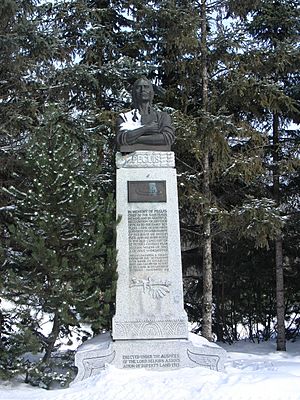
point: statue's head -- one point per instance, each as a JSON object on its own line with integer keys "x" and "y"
{"x": 142, "y": 91}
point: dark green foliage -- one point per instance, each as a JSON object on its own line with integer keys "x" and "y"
{"x": 62, "y": 227}
{"x": 251, "y": 80}
{"x": 16, "y": 339}
{"x": 66, "y": 70}
{"x": 61, "y": 260}
{"x": 57, "y": 373}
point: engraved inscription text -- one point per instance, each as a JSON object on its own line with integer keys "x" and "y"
{"x": 148, "y": 240}
{"x": 135, "y": 361}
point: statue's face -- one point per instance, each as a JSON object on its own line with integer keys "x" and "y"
{"x": 143, "y": 91}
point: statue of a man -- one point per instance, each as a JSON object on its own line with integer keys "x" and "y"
{"x": 143, "y": 128}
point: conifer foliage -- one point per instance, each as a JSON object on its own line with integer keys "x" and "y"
{"x": 270, "y": 70}
{"x": 62, "y": 235}
{"x": 228, "y": 73}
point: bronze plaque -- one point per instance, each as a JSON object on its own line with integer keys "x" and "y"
{"x": 147, "y": 192}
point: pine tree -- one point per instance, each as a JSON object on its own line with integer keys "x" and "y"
{"x": 62, "y": 263}
{"x": 202, "y": 132}
{"x": 16, "y": 112}
{"x": 78, "y": 58}
{"x": 25, "y": 53}
{"x": 269, "y": 70}
{"x": 216, "y": 142}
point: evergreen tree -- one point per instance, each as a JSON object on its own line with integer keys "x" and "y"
{"x": 25, "y": 54}
{"x": 62, "y": 259}
{"x": 268, "y": 74}
{"x": 218, "y": 147}
{"x": 77, "y": 58}
{"x": 188, "y": 66}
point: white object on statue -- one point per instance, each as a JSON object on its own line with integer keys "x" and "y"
{"x": 129, "y": 124}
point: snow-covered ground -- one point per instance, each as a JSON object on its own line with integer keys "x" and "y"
{"x": 253, "y": 372}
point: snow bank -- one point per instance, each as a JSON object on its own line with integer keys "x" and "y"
{"x": 253, "y": 372}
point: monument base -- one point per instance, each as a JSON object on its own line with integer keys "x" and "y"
{"x": 93, "y": 355}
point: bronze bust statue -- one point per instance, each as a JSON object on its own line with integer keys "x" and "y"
{"x": 144, "y": 128}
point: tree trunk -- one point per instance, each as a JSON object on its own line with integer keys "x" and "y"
{"x": 1, "y": 323}
{"x": 52, "y": 338}
{"x": 207, "y": 253}
{"x": 207, "y": 260}
{"x": 281, "y": 342}
{"x": 219, "y": 310}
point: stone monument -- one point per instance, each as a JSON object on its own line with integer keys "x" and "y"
{"x": 150, "y": 327}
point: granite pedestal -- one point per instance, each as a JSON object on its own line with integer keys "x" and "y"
{"x": 158, "y": 354}
{"x": 150, "y": 327}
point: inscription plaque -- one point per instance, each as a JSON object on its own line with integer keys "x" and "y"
{"x": 148, "y": 240}
{"x": 147, "y": 192}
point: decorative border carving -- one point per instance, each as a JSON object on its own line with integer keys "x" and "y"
{"x": 149, "y": 329}
{"x": 91, "y": 363}
{"x": 204, "y": 360}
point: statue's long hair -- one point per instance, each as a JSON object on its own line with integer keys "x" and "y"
{"x": 134, "y": 97}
